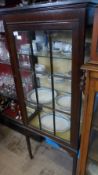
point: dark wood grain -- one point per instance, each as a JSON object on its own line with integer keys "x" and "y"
{"x": 56, "y": 16}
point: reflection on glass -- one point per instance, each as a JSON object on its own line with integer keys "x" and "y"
{"x": 27, "y": 79}
{"x": 7, "y": 85}
{"x": 45, "y": 64}
{"x": 62, "y": 44}
{"x": 4, "y": 54}
{"x": 62, "y": 68}
{"x": 92, "y": 163}
{"x": 88, "y": 44}
{"x": 40, "y": 43}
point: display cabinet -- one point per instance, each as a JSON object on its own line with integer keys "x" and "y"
{"x": 46, "y": 46}
{"x": 46, "y": 50}
{"x": 88, "y": 161}
{"x": 43, "y": 48}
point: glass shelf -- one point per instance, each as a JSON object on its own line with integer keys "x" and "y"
{"x": 60, "y": 104}
{"x": 47, "y": 107}
{"x": 58, "y": 93}
{"x": 55, "y": 56}
{"x": 56, "y": 76}
{"x": 63, "y": 133}
{"x": 5, "y": 62}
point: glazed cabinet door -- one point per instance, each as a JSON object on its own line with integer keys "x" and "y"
{"x": 46, "y": 61}
{"x": 45, "y": 66}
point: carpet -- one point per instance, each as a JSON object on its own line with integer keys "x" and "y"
{"x": 15, "y": 160}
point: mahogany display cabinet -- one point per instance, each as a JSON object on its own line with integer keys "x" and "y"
{"x": 46, "y": 50}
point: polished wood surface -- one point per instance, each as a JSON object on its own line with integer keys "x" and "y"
{"x": 55, "y": 16}
{"x": 57, "y": 13}
{"x": 90, "y": 90}
{"x": 94, "y": 47}
{"x": 51, "y": 18}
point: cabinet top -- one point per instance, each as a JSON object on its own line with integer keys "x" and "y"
{"x": 49, "y": 5}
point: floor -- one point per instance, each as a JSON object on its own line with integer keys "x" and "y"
{"x": 14, "y": 158}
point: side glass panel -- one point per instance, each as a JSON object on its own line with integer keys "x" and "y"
{"x": 9, "y": 105}
{"x": 92, "y": 161}
{"x": 45, "y": 65}
{"x": 8, "y": 101}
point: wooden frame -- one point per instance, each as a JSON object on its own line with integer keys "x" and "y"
{"x": 90, "y": 91}
{"x": 94, "y": 46}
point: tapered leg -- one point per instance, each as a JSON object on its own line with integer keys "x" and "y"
{"x": 29, "y": 146}
{"x": 74, "y": 165}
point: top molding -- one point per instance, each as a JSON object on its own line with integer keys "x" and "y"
{"x": 57, "y": 4}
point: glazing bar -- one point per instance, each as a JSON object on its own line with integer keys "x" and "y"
{"x": 52, "y": 83}
{"x": 35, "y": 79}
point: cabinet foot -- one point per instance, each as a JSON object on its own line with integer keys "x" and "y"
{"x": 74, "y": 165}
{"x": 29, "y": 147}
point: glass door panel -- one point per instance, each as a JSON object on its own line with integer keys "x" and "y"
{"x": 92, "y": 161}
{"x": 45, "y": 65}
{"x": 9, "y": 105}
